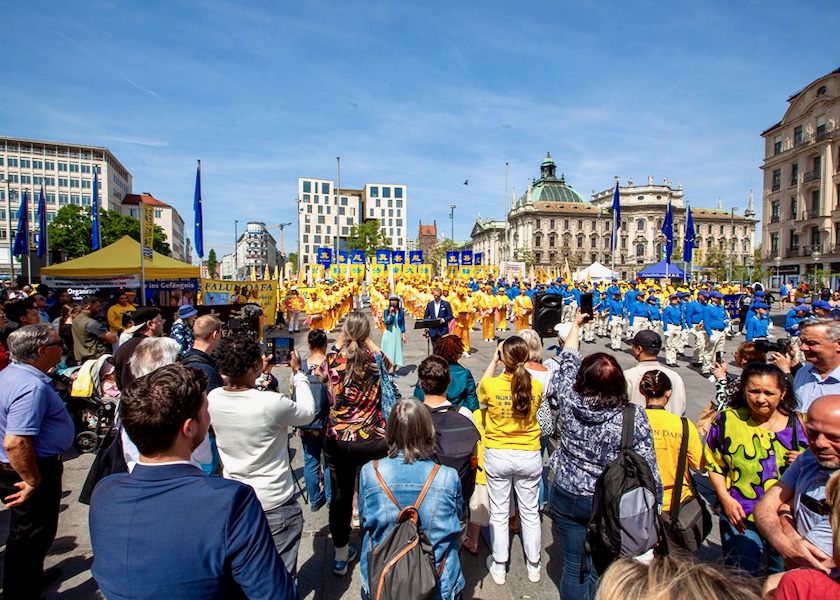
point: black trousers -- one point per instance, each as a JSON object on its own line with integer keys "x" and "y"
{"x": 344, "y": 460}
{"x": 32, "y": 530}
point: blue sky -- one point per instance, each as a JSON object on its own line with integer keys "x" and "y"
{"x": 423, "y": 93}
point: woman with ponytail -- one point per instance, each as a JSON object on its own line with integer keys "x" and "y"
{"x": 512, "y": 458}
{"x": 356, "y": 427}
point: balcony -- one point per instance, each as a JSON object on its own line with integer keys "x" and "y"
{"x": 776, "y": 186}
{"x": 811, "y": 176}
{"x": 792, "y": 252}
{"x": 775, "y": 219}
{"x": 811, "y": 214}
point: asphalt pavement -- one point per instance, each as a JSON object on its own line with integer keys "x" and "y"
{"x": 72, "y": 551}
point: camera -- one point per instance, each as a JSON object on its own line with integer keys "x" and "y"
{"x": 782, "y": 345}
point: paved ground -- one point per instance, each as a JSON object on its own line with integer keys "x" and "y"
{"x": 72, "y": 552}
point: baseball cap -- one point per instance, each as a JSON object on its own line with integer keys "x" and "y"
{"x": 703, "y": 293}
{"x": 757, "y": 305}
{"x": 563, "y": 330}
{"x": 647, "y": 339}
{"x": 141, "y": 316}
{"x": 715, "y": 294}
{"x": 802, "y": 308}
{"x": 822, "y": 304}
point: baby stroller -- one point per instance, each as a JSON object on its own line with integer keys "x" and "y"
{"x": 92, "y": 401}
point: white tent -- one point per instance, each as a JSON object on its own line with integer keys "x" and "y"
{"x": 595, "y": 272}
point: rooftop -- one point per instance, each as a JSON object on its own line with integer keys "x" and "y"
{"x": 144, "y": 198}
{"x": 548, "y": 188}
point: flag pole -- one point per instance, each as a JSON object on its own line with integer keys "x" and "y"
{"x": 142, "y": 259}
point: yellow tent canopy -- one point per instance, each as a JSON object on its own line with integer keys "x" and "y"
{"x": 122, "y": 258}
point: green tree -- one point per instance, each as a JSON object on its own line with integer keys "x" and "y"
{"x": 716, "y": 263}
{"x": 293, "y": 261}
{"x": 368, "y": 237}
{"x": 525, "y": 255}
{"x": 437, "y": 253}
{"x": 70, "y": 230}
{"x": 212, "y": 263}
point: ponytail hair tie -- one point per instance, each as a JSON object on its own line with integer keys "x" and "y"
{"x": 521, "y": 364}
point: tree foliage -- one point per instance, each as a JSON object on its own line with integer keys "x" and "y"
{"x": 212, "y": 264}
{"x": 368, "y": 237}
{"x": 70, "y": 230}
{"x": 527, "y": 256}
{"x": 293, "y": 260}
{"x": 437, "y": 253}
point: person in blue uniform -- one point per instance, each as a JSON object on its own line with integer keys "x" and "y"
{"x": 672, "y": 328}
{"x": 715, "y": 320}
{"x": 757, "y": 323}
{"x": 694, "y": 317}
{"x": 615, "y": 306}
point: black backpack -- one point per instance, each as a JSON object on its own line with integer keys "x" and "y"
{"x": 403, "y": 564}
{"x": 625, "y": 513}
{"x": 455, "y": 441}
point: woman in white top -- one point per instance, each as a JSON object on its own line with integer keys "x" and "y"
{"x": 252, "y": 436}
{"x": 539, "y": 372}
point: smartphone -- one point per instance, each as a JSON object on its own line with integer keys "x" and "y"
{"x": 281, "y": 350}
{"x": 719, "y": 357}
{"x": 586, "y": 305}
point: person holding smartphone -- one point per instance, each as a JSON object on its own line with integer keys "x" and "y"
{"x": 393, "y": 338}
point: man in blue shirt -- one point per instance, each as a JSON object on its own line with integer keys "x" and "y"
{"x": 757, "y": 322}
{"x": 168, "y": 530}
{"x": 36, "y": 430}
{"x": 820, "y": 344}
{"x": 616, "y": 309}
{"x": 693, "y": 318}
{"x": 672, "y": 327}
{"x": 638, "y": 315}
{"x": 714, "y": 323}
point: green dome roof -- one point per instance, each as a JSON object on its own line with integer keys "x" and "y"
{"x": 550, "y": 189}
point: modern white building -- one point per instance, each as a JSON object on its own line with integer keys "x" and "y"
{"x": 326, "y": 215}
{"x": 65, "y": 170}
{"x": 256, "y": 248}
{"x": 166, "y": 217}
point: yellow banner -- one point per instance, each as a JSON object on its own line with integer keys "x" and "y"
{"x": 466, "y": 272}
{"x": 378, "y": 271}
{"x": 338, "y": 271}
{"x": 217, "y": 291}
{"x": 357, "y": 272}
{"x": 410, "y": 270}
{"x": 147, "y": 224}
{"x": 424, "y": 271}
{"x": 317, "y": 272}
{"x": 397, "y": 270}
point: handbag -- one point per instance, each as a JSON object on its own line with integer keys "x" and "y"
{"x": 109, "y": 460}
{"x": 388, "y": 398}
{"x": 689, "y": 523}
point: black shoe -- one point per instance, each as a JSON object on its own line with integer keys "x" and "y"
{"x": 694, "y": 364}
{"x": 50, "y": 575}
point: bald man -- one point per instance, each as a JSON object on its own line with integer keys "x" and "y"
{"x": 793, "y": 515}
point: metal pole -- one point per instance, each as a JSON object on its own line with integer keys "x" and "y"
{"x": 235, "y": 252}
{"x": 9, "y": 239}
{"x": 732, "y": 239}
{"x": 506, "y": 246}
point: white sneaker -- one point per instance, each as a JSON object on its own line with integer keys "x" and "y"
{"x": 497, "y": 571}
{"x": 533, "y": 572}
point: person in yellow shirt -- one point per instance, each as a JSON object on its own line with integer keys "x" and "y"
{"x": 512, "y": 455}
{"x": 667, "y": 438}
{"x": 315, "y": 311}
{"x": 522, "y": 309}
{"x": 461, "y": 309}
{"x": 502, "y": 304}
{"x": 487, "y": 307}
{"x": 116, "y": 311}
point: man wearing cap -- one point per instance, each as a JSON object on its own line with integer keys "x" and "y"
{"x": 147, "y": 323}
{"x": 91, "y": 338}
{"x": 757, "y": 322}
{"x": 672, "y": 324}
{"x": 714, "y": 324}
{"x": 822, "y": 309}
{"x": 638, "y": 315}
{"x": 645, "y": 345}
{"x": 182, "y": 328}
{"x": 616, "y": 311}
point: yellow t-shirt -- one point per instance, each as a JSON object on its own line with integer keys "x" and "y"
{"x": 115, "y": 314}
{"x": 480, "y": 415}
{"x": 667, "y": 439}
{"x": 505, "y": 429}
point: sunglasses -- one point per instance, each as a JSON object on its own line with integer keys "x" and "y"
{"x": 58, "y": 343}
{"x": 819, "y": 507}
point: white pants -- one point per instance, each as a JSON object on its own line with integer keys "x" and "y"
{"x": 699, "y": 343}
{"x": 714, "y": 344}
{"x": 589, "y": 331}
{"x": 616, "y": 327}
{"x": 294, "y": 320}
{"x": 672, "y": 343}
{"x": 521, "y": 470}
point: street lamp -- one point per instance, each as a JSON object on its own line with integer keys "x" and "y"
{"x": 815, "y": 256}
{"x": 452, "y": 218}
{"x": 235, "y": 250}
{"x": 732, "y": 239}
{"x": 7, "y": 181}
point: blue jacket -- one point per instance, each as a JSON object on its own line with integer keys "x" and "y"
{"x": 461, "y": 390}
{"x": 399, "y": 317}
{"x": 654, "y": 314}
{"x": 714, "y": 317}
{"x": 440, "y": 513}
{"x": 629, "y": 300}
{"x": 792, "y": 320}
{"x": 756, "y": 326}
{"x": 616, "y": 307}
{"x": 694, "y": 312}
{"x": 445, "y": 314}
{"x": 173, "y": 532}
{"x": 671, "y": 316}
{"x": 637, "y": 309}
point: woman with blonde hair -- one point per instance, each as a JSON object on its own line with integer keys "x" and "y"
{"x": 512, "y": 456}
{"x": 356, "y": 426}
{"x": 669, "y": 578}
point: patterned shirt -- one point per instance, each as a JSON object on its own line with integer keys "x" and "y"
{"x": 182, "y": 334}
{"x": 357, "y": 412}
{"x": 590, "y": 436}
{"x": 750, "y": 457}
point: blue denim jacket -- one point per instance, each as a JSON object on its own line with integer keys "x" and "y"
{"x": 440, "y": 513}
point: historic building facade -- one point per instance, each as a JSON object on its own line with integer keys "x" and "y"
{"x": 801, "y": 226}
{"x": 553, "y": 223}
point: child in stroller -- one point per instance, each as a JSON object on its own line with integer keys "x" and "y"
{"x": 93, "y": 401}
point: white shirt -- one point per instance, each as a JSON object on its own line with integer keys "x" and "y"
{"x": 252, "y": 436}
{"x": 462, "y": 410}
{"x": 676, "y": 404}
{"x": 437, "y": 309}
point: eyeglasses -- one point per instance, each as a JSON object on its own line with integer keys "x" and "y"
{"x": 58, "y": 343}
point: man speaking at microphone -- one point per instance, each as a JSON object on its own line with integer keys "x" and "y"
{"x": 438, "y": 309}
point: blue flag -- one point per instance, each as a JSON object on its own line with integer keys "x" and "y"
{"x": 199, "y": 219}
{"x": 383, "y": 257}
{"x": 415, "y": 257}
{"x": 478, "y": 258}
{"x": 466, "y": 258}
{"x": 357, "y": 257}
{"x": 42, "y": 224}
{"x": 452, "y": 258}
{"x": 324, "y": 256}
{"x": 22, "y": 235}
{"x": 398, "y": 257}
{"x": 95, "y": 234}
{"x": 343, "y": 257}
{"x": 668, "y": 232}
{"x": 616, "y": 221}
{"x": 690, "y": 238}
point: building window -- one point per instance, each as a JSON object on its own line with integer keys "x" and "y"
{"x": 815, "y": 203}
{"x": 50, "y": 198}
{"x": 797, "y": 135}
{"x": 537, "y": 241}
{"x": 306, "y": 197}
{"x": 344, "y": 201}
{"x": 794, "y": 173}
{"x": 580, "y": 241}
{"x": 321, "y": 220}
{"x": 85, "y": 200}
{"x": 593, "y": 242}
{"x": 640, "y": 225}
{"x": 325, "y": 188}
{"x": 37, "y": 164}
{"x": 49, "y": 165}
{"x": 13, "y": 163}
{"x": 816, "y": 237}
{"x": 25, "y": 164}
{"x": 85, "y": 168}
{"x": 75, "y": 199}
{"x": 794, "y": 240}
{"x": 64, "y": 199}
{"x": 777, "y": 180}
{"x": 774, "y": 243}
{"x": 374, "y": 190}
{"x": 820, "y": 128}
{"x": 398, "y": 193}
{"x": 341, "y": 210}
{"x": 580, "y": 225}
{"x": 399, "y": 202}
{"x": 550, "y": 224}
{"x": 74, "y": 168}
{"x": 623, "y": 245}
{"x": 386, "y": 192}
{"x": 640, "y": 250}
{"x": 794, "y": 207}
{"x": 158, "y": 213}
{"x": 320, "y": 210}
{"x": 28, "y": 179}
{"x": 307, "y": 186}
{"x": 777, "y": 145}
{"x": 86, "y": 184}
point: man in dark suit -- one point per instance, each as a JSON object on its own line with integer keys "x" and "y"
{"x": 167, "y": 530}
{"x": 438, "y": 309}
